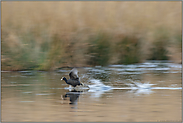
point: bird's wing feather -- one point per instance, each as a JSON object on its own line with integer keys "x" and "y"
{"x": 74, "y": 74}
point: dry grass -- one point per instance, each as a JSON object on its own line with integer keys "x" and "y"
{"x": 48, "y": 35}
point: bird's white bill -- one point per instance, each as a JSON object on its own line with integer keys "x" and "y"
{"x": 61, "y": 78}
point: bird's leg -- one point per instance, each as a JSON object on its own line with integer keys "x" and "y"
{"x": 82, "y": 83}
{"x": 87, "y": 86}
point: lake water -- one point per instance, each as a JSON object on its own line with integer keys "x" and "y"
{"x": 146, "y": 92}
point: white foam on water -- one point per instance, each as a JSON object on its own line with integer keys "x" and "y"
{"x": 63, "y": 71}
{"x": 147, "y": 67}
{"x": 143, "y": 91}
{"x": 175, "y": 65}
{"x": 26, "y": 85}
{"x": 98, "y": 88}
{"x": 143, "y": 85}
{"x": 98, "y": 70}
{"x": 135, "y": 69}
{"x": 134, "y": 88}
{"x": 125, "y": 88}
{"x": 170, "y": 88}
{"x": 146, "y": 86}
{"x": 56, "y": 88}
{"x": 45, "y": 94}
{"x": 69, "y": 88}
{"x": 116, "y": 65}
{"x": 98, "y": 85}
{"x": 130, "y": 73}
{"x": 117, "y": 69}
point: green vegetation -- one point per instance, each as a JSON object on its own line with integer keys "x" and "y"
{"x": 99, "y": 50}
{"x": 24, "y": 52}
{"x": 50, "y": 35}
{"x": 129, "y": 50}
{"x": 158, "y": 50}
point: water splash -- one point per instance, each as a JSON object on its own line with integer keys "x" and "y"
{"x": 141, "y": 91}
{"x": 43, "y": 94}
{"x": 98, "y": 88}
{"x": 143, "y": 85}
{"x": 146, "y": 86}
{"x": 138, "y": 88}
{"x": 98, "y": 85}
{"x": 170, "y": 88}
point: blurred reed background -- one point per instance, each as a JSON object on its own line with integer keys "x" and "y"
{"x": 49, "y": 35}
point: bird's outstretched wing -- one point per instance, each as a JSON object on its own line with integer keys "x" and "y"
{"x": 74, "y": 74}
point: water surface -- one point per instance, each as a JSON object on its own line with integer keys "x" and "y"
{"x": 146, "y": 92}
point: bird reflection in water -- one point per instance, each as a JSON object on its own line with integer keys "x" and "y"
{"x": 73, "y": 95}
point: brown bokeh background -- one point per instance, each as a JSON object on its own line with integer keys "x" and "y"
{"x": 49, "y": 35}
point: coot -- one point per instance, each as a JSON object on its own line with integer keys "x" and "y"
{"x": 74, "y": 79}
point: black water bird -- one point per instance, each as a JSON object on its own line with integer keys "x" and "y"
{"x": 74, "y": 79}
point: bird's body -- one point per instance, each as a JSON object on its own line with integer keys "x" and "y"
{"x": 74, "y": 79}
{"x": 72, "y": 82}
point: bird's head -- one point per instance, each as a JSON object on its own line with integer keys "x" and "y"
{"x": 63, "y": 78}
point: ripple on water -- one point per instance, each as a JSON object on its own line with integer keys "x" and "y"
{"x": 56, "y": 88}
{"x": 41, "y": 94}
{"x": 130, "y": 73}
{"x": 26, "y": 101}
{"x": 13, "y": 82}
{"x": 63, "y": 71}
{"x": 27, "y": 92}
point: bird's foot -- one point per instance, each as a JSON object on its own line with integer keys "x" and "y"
{"x": 84, "y": 85}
